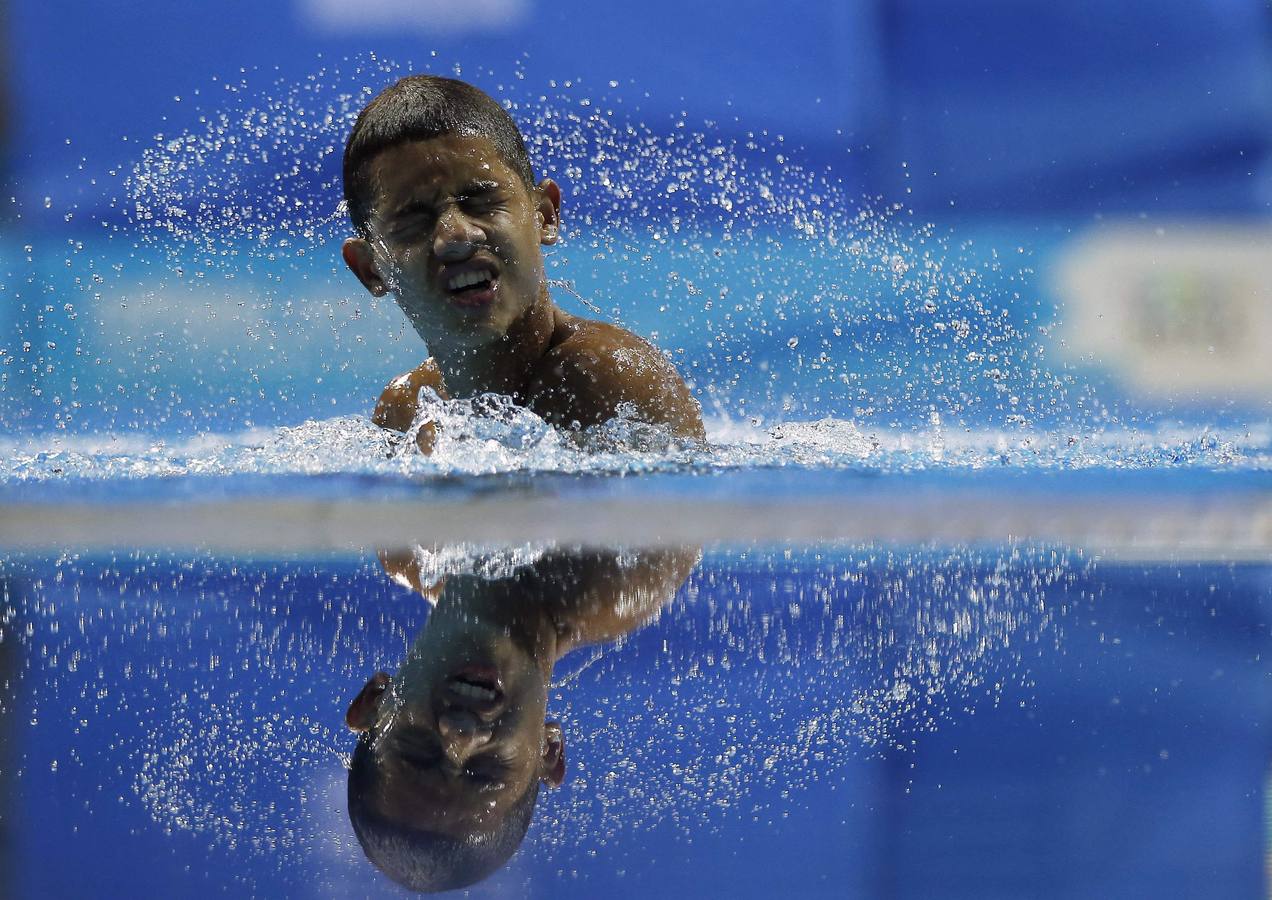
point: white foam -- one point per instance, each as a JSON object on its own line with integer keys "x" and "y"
{"x": 490, "y": 435}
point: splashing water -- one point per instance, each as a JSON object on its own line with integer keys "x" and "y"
{"x": 864, "y": 647}
{"x": 855, "y": 662}
{"x": 212, "y": 329}
{"x": 203, "y": 325}
{"x": 481, "y": 442}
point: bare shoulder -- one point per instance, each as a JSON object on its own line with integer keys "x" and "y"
{"x": 399, "y": 400}
{"x": 594, "y": 368}
{"x": 611, "y": 594}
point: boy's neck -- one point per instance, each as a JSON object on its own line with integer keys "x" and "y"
{"x": 503, "y": 366}
{"x": 474, "y": 610}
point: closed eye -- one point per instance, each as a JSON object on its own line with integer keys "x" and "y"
{"x": 412, "y": 219}
{"x": 487, "y": 768}
{"x": 478, "y": 205}
{"x": 419, "y": 758}
{"x": 417, "y": 749}
{"x": 480, "y": 195}
{"x": 485, "y": 785}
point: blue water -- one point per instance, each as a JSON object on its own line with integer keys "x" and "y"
{"x": 808, "y": 721}
{"x": 1038, "y": 670}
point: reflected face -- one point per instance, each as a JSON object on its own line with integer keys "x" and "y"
{"x": 456, "y": 743}
{"x": 455, "y": 234}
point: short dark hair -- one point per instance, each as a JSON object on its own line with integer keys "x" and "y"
{"x": 417, "y": 108}
{"x": 425, "y": 860}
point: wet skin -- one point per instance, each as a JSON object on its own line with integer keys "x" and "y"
{"x": 456, "y": 763}
{"x": 449, "y": 210}
{"x": 452, "y": 763}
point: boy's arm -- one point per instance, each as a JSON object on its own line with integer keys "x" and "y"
{"x": 586, "y": 378}
{"x": 399, "y": 402}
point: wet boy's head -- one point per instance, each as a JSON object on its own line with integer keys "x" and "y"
{"x": 448, "y": 217}
{"x": 421, "y": 107}
{"x": 425, "y": 859}
{"x": 444, "y": 779}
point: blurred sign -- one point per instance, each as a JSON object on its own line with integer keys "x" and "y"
{"x": 1166, "y": 310}
{"x": 432, "y": 16}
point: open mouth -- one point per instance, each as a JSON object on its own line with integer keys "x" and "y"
{"x": 476, "y": 687}
{"x": 475, "y": 287}
{"x": 475, "y": 691}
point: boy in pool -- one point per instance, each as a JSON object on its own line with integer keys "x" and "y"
{"x": 450, "y": 220}
{"x": 453, "y": 748}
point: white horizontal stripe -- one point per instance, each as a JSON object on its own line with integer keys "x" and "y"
{"x": 1220, "y": 525}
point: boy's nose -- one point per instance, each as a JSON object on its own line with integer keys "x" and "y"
{"x": 456, "y": 237}
{"x": 462, "y": 733}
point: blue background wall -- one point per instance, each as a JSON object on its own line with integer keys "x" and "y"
{"x": 997, "y": 105}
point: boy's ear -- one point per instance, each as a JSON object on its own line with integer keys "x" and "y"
{"x": 552, "y": 766}
{"x": 549, "y": 211}
{"x": 365, "y": 707}
{"x": 360, "y": 259}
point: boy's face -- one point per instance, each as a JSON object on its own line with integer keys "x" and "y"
{"x": 458, "y": 743}
{"x": 455, "y": 236}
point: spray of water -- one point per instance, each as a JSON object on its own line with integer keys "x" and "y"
{"x": 209, "y": 298}
{"x": 210, "y": 692}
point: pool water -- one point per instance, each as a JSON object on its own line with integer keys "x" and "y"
{"x": 820, "y": 719}
{"x": 968, "y": 611}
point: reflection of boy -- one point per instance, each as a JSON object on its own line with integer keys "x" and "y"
{"x": 453, "y": 748}
{"x": 450, "y": 221}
